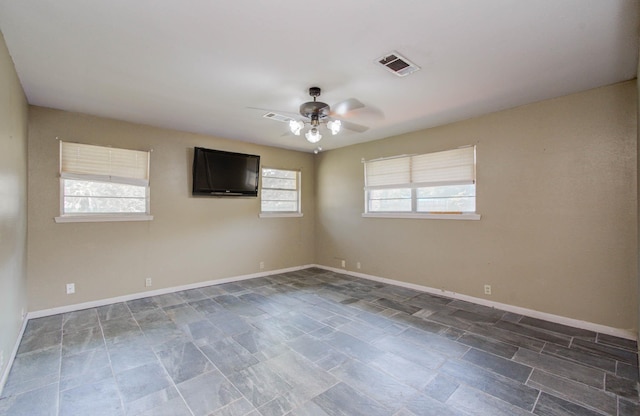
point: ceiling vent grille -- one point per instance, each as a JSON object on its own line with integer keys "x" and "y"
{"x": 398, "y": 64}
{"x": 277, "y": 117}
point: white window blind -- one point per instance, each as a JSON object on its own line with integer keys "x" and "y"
{"x": 433, "y": 183}
{"x": 104, "y": 164}
{"x": 103, "y": 182}
{"x": 450, "y": 167}
{"x": 389, "y": 172}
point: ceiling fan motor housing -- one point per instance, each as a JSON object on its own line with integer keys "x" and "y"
{"x": 315, "y": 109}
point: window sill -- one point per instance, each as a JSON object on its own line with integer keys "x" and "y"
{"x": 471, "y": 217}
{"x": 102, "y": 218}
{"x": 280, "y": 215}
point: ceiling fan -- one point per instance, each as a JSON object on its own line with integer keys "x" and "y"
{"x": 316, "y": 113}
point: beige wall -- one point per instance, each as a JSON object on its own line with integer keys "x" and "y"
{"x": 556, "y": 190}
{"x": 190, "y": 239}
{"x": 13, "y": 204}
{"x": 556, "y": 186}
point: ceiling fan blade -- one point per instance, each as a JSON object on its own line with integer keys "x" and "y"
{"x": 354, "y": 126}
{"x": 370, "y": 113}
{"x": 343, "y": 107}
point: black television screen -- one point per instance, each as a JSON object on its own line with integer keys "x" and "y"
{"x": 220, "y": 173}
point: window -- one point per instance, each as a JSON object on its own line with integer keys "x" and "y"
{"x": 103, "y": 183}
{"x": 432, "y": 185}
{"x": 280, "y": 194}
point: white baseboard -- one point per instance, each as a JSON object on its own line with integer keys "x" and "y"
{"x": 622, "y": 333}
{"x": 164, "y": 291}
{"x": 12, "y": 356}
{"x": 140, "y": 295}
{"x": 576, "y": 323}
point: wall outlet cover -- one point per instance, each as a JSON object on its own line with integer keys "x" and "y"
{"x": 71, "y": 288}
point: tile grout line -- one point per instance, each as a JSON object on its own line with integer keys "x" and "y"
{"x": 224, "y": 376}
{"x": 175, "y": 386}
{"x": 158, "y": 358}
{"x": 562, "y": 396}
{"x": 217, "y": 368}
{"x": 530, "y": 373}
{"x": 113, "y": 373}
{"x": 537, "y": 398}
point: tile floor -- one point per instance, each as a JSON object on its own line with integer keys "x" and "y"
{"x": 315, "y": 343}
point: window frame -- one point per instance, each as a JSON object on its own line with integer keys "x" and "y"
{"x": 414, "y": 187}
{"x": 282, "y": 214}
{"x": 65, "y": 217}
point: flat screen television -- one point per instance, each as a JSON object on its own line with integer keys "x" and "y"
{"x": 220, "y": 173}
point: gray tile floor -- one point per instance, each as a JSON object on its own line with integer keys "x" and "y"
{"x": 315, "y": 343}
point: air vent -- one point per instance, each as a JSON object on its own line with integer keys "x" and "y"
{"x": 277, "y": 117}
{"x": 398, "y": 64}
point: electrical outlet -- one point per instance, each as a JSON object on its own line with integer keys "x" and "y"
{"x": 148, "y": 282}
{"x": 1, "y": 360}
{"x": 358, "y": 265}
{"x": 487, "y": 289}
{"x": 71, "y": 288}
{"x": 344, "y": 263}
{"x": 261, "y": 265}
{"x": 22, "y": 313}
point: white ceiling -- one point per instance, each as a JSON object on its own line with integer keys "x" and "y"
{"x": 210, "y": 66}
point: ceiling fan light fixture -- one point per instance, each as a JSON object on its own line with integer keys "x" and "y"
{"x": 334, "y": 126}
{"x": 313, "y": 135}
{"x": 296, "y": 127}
{"x": 316, "y": 115}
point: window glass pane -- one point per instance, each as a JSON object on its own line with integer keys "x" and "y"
{"x": 279, "y": 183}
{"x": 74, "y": 187}
{"x": 446, "y": 191}
{"x": 102, "y": 198}
{"x": 280, "y": 191}
{"x": 460, "y": 204}
{"x": 397, "y": 193}
{"x": 279, "y": 195}
{"x": 91, "y": 205}
{"x": 390, "y": 205}
{"x": 277, "y": 173}
{"x": 390, "y": 200}
{"x": 459, "y": 198}
{"x": 280, "y": 206}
